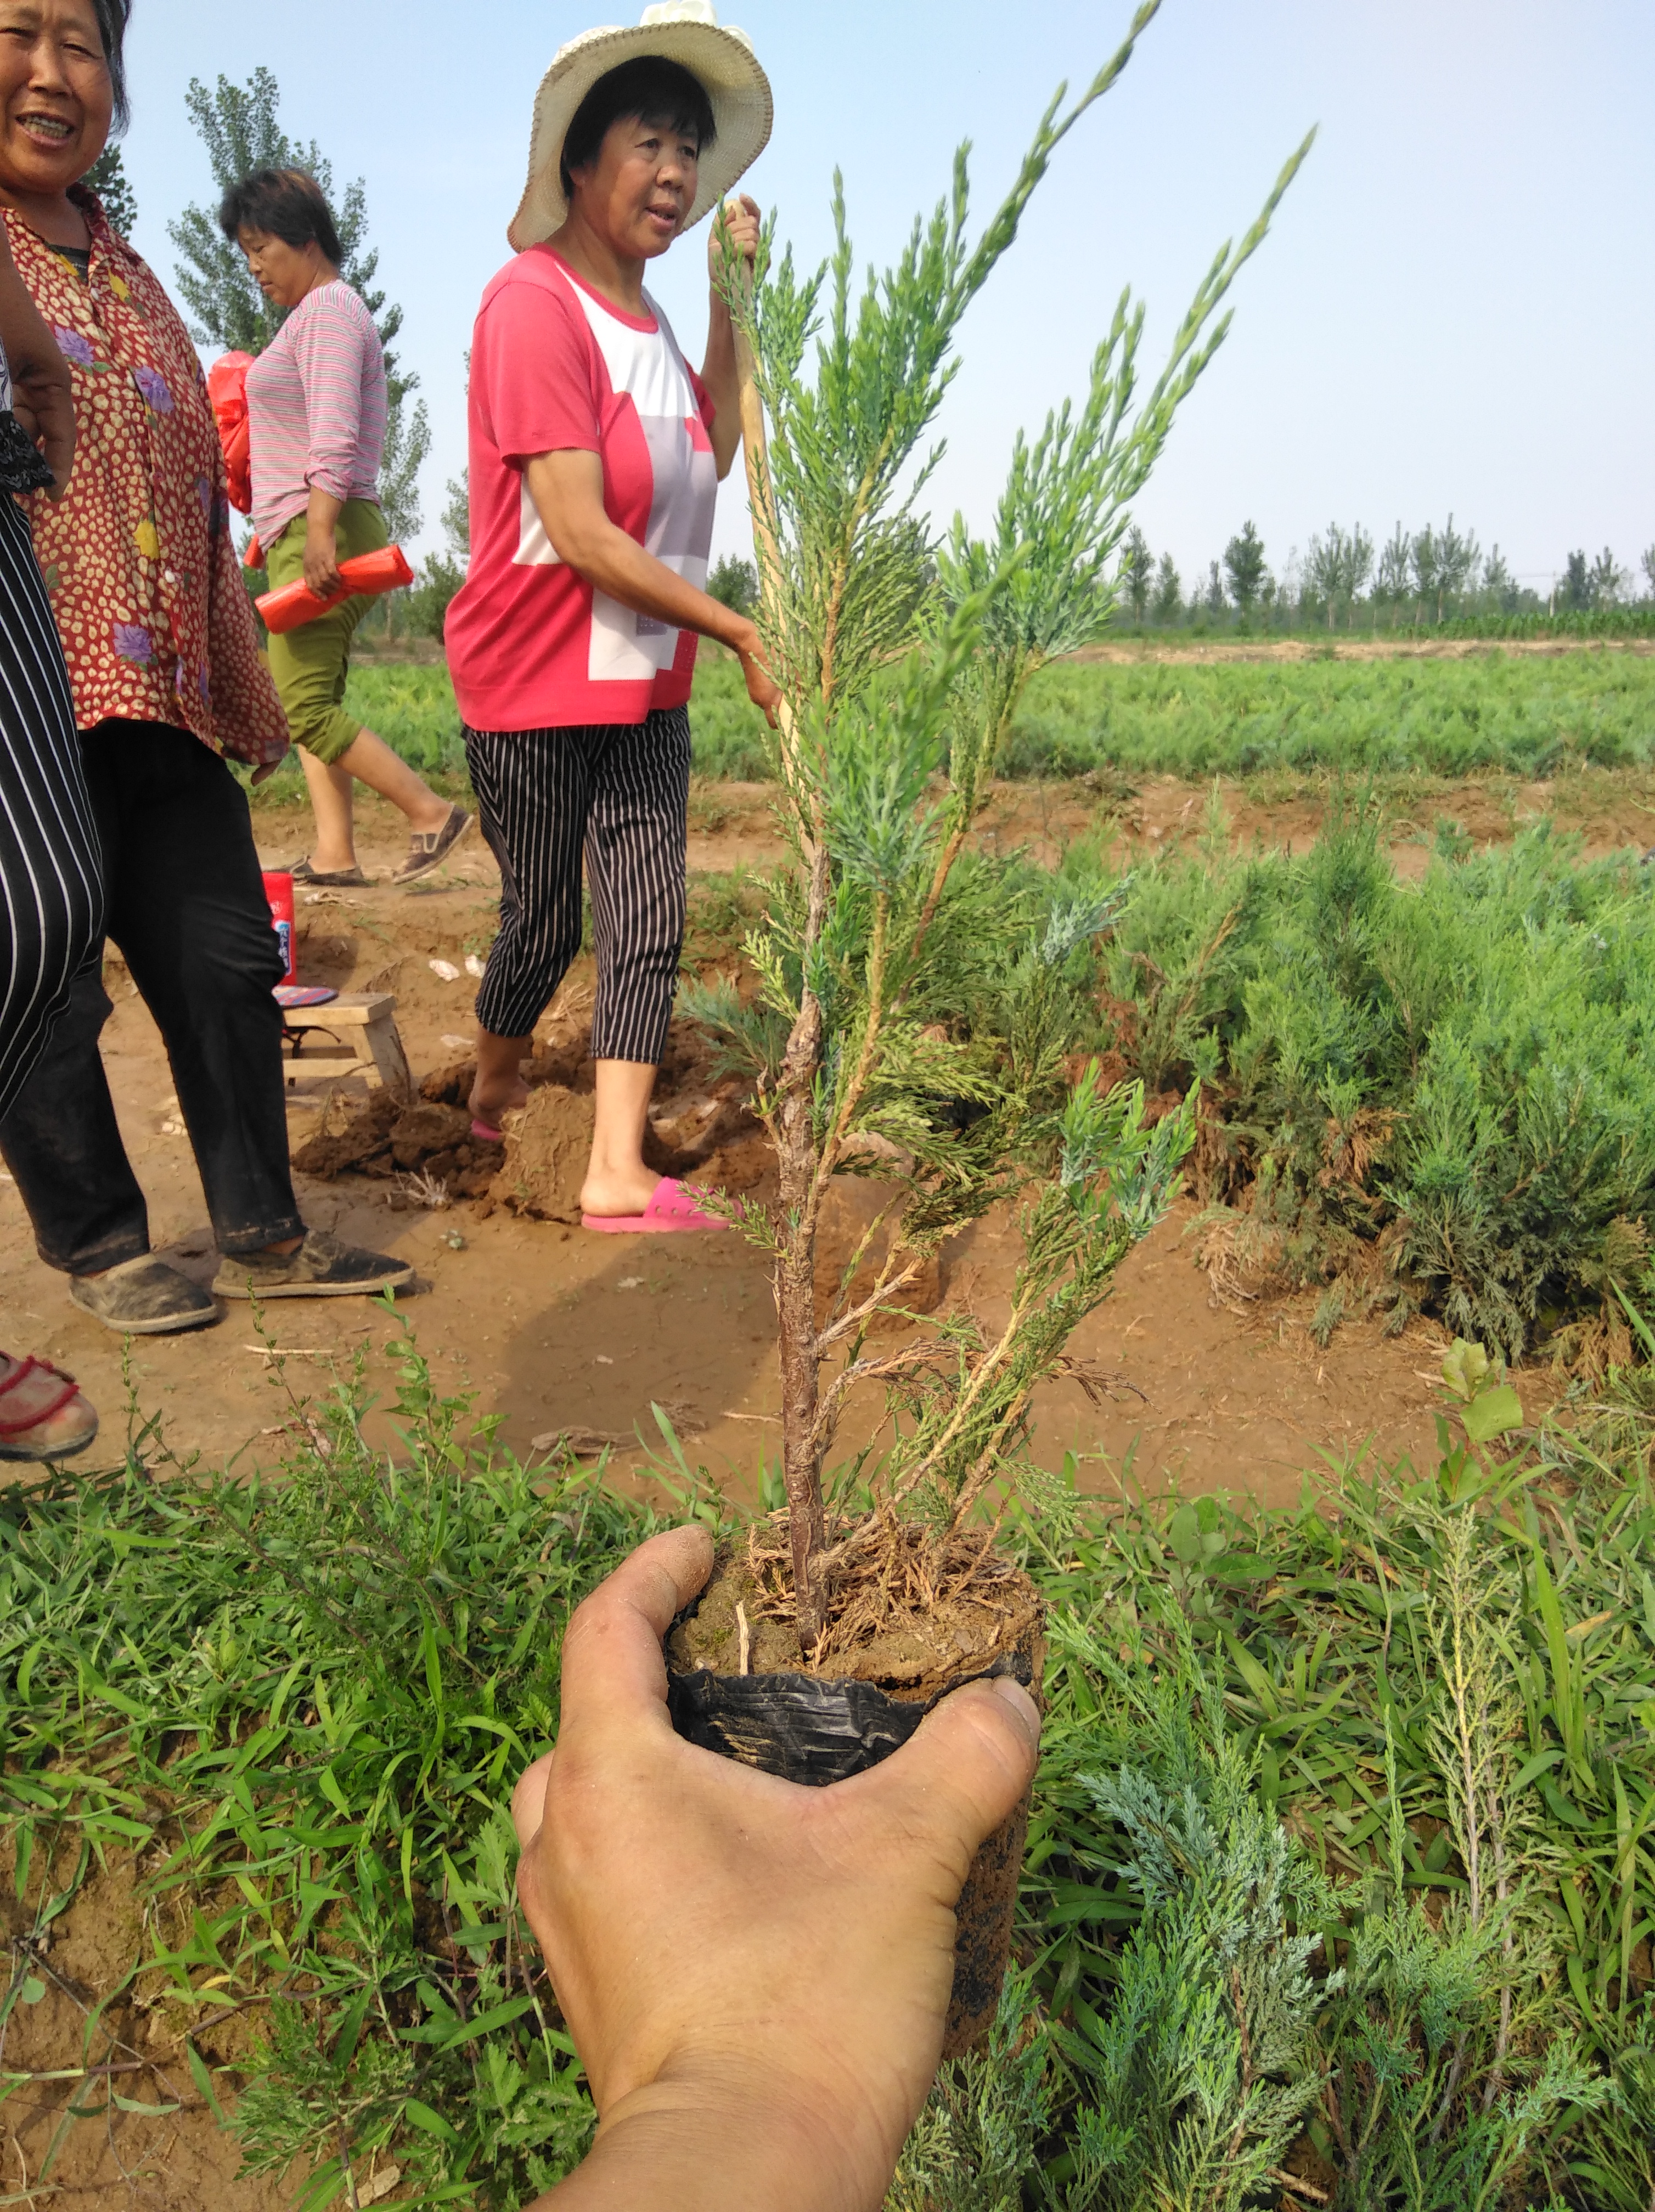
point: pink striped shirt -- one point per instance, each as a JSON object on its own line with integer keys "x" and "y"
{"x": 316, "y": 401}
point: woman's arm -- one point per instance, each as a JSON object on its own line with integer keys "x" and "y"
{"x": 568, "y": 491}
{"x": 328, "y": 348}
{"x": 42, "y": 396}
{"x": 739, "y": 219}
{"x": 322, "y": 544}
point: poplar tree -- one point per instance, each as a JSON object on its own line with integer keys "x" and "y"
{"x": 1243, "y": 559}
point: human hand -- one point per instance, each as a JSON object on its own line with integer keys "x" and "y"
{"x": 42, "y": 402}
{"x": 762, "y": 687}
{"x": 756, "y": 1975}
{"x": 322, "y": 562}
{"x": 738, "y": 223}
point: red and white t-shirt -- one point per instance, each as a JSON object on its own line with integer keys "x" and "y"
{"x": 531, "y": 644}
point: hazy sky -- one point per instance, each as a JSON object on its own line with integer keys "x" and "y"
{"x": 1454, "y": 311}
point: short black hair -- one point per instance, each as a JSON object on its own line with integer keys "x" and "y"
{"x": 285, "y": 203}
{"x": 648, "y": 88}
{"x": 112, "y": 16}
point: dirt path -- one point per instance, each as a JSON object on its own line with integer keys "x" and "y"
{"x": 562, "y": 1332}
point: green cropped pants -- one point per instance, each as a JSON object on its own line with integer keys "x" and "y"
{"x": 310, "y": 664}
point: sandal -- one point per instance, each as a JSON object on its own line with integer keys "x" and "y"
{"x": 429, "y": 849}
{"x": 15, "y": 1431}
{"x": 672, "y": 1210}
{"x": 335, "y": 879}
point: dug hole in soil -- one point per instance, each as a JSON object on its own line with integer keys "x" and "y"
{"x": 912, "y": 1625}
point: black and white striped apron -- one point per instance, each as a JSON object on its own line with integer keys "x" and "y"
{"x": 50, "y": 886}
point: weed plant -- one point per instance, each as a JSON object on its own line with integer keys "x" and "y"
{"x": 1342, "y": 1881}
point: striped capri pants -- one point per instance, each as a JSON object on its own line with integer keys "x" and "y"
{"x": 621, "y": 792}
{"x": 51, "y": 868}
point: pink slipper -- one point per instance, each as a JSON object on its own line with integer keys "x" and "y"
{"x": 671, "y": 1207}
{"x": 485, "y": 1135}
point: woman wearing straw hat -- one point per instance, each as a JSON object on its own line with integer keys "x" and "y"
{"x": 595, "y": 456}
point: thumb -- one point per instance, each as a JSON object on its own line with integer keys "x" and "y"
{"x": 967, "y": 1763}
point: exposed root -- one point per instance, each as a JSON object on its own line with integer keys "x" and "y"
{"x": 886, "y": 1569}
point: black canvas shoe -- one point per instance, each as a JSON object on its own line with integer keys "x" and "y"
{"x": 429, "y": 849}
{"x": 320, "y": 1267}
{"x": 143, "y": 1298}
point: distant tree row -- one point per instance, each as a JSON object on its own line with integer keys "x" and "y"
{"x": 1416, "y": 577}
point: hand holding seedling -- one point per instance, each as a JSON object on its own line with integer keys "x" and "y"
{"x": 756, "y": 1975}
{"x": 740, "y": 221}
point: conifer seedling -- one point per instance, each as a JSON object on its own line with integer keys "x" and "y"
{"x": 912, "y": 1017}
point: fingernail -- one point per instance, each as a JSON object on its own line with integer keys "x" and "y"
{"x": 1027, "y": 1712}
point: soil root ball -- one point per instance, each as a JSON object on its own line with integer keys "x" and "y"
{"x": 862, "y": 1701}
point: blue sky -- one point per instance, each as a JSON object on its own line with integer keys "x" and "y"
{"x": 1454, "y": 311}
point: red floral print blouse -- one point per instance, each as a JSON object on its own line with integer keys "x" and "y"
{"x": 139, "y": 560}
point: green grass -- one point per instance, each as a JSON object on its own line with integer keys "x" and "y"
{"x": 1527, "y": 714}
{"x": 1530, "y": 715}
{"x": 303, "y": 1697}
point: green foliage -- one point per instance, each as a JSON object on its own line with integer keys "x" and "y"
{"x": 107, "y": 178}
{"x": 897, "y": 660}
{"x": 734, "y": 583}
{"x": 1534, "y": 716}
{"x": 239, "y": 127}
{"x": 1343, "y": 1864}
{"x": 305, "y": 1695}
{"x": 1244, "y": 564}
{"x": 1529, "y": 716}
{"x": 1460, "y": 1065}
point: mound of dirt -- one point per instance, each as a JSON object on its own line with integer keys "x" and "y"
{"x": 852, "y": 1209}
{"x": 548, "y": 1143}
{"x": 700, "y": 1129}
{"x": 380, "y": 1137}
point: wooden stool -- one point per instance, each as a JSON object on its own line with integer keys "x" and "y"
{"x": 366, "y": 1020}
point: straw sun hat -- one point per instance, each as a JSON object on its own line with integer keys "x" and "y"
{"x": 684, "y": 30}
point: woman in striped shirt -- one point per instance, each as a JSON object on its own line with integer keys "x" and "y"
{"x": 316, "y": 414}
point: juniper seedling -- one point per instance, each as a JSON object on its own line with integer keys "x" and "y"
{"x": 901, "y": 663}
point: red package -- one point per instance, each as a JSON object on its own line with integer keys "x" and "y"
{"x": 295, "y": 604}
{"x": 278, "y": 890}
{"x": 226, "y": 388}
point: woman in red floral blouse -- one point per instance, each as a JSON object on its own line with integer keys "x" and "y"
{"x": 167, "y": 681}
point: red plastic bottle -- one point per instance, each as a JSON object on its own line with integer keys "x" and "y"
{"x": 278, "y": 889}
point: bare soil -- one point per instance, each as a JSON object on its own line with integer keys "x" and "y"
{"x": 174, "y": 2157}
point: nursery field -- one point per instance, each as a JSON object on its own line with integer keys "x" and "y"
{"x": 1200, "y": 712}
{"x": 261, "y": 1711}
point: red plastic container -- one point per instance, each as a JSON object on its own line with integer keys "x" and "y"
{"x": 295, "y": 604}
{"x": 278, "y": 889}
{"x": 226, "y": 388}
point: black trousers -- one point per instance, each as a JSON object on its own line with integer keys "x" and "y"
{"x": 621, "y": 792}
{"x": 51, "y": 888}
{"x": 186, "y": 906}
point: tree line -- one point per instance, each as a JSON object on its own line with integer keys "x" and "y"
{"x": 1416, "y": 578}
